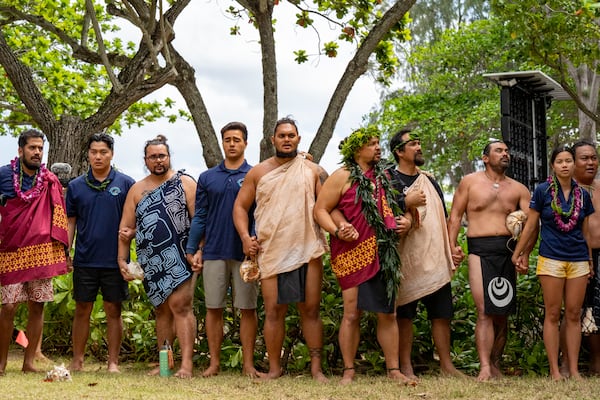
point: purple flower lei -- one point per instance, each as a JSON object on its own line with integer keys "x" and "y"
{"x": 36, "y": 190}
{"x": 574, "y": 210}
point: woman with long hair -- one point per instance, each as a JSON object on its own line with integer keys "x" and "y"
{"x": 564, "y": 266}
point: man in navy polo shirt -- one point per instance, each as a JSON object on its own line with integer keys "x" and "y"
{"x": 222, "y": 254}
{"x": 94, "y": 208}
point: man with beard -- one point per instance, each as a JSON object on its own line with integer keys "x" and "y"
{"x": 159, "y": 208}
{"x": 94, "y": 207}
{"x": 488, "y": 197}
{"x": 353, "y": 207}
{"x": 288, "y": 242}
{"x": 33, "y": 240}
{"x": 427, "y": 262}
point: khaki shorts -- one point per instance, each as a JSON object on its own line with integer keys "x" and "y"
{"x": 562, "y": 269}
{"x": 217, "y": 276}
{"x": 40, "y": 291}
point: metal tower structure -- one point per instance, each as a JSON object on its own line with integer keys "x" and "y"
{"x": 524, "y": 98}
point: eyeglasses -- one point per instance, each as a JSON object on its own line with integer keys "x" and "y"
{"x": 157, "y": 157}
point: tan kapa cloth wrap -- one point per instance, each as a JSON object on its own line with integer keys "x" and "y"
{"x": 285, "y": 226}
{"x": 425, "y": 252}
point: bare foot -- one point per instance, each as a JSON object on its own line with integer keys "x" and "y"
{"x": 409, "y": 373}
{"x": 113, "y": 368}
{"x": 496, "y": 373}
{"x": 485, "y": 374}
{"x": 557, "y": 377}
{"x": 577, "y": 377}
{"x": 269, "y": 375}
{"x": 154, "y": 371}
{"x": 452, "y": 372}
{"x": 320, "y": 377}
{"x": 250, "y": 372}
{"x": 395, "y": 374}
{"x": 28, "y": 368}
{"x": 347, "y": 376}
{"x": 183, "y": 374}
{"x": 211, "y": 371}
{"x": 412, "y": 377}
{"x": 40, "y": 357}
{"x": 76, "y": 366}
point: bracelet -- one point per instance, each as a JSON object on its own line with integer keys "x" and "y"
{"x": 336, "y": 233}
{"x": 200, "y": 248}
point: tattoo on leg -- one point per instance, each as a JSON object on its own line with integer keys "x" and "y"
{"x": 315, "y": 352}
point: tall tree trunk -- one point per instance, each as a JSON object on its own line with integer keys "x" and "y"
{"x": 186, "y": 84}
{"x": 262, "y": 10}
{"x": 67, "y": 144}
{"x": 587, "y": 83}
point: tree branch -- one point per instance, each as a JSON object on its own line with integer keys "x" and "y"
{"x": 80, "y": 52}
{"x": 13, "y": 107}
{"x": 355, "y": 68}
{"x": 91, "y": 13}
{"x": 22, "y": 80}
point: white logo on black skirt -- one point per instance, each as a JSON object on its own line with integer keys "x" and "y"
{"x": 500, "y": 292}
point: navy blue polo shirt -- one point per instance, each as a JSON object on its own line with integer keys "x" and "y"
{"x": 215, "y": 194}
{"x": 556, "y": 244}
{"x": 6, "y": 181}
{"x": 98, "y": 214}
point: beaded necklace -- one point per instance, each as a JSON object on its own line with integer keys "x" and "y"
{"x": 100, "y": 187}
{"x": 576, "y": 204}
{"x": 38, "y": 180}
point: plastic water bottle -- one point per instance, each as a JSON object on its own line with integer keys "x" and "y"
{"x": 163, "y": 359}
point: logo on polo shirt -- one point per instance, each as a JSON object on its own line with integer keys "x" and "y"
{"x": 240, "y": 181}
{"x": 114, "y": 190}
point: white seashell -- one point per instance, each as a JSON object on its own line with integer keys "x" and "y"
{"x": 58, "y": 374}
{"x": 134, "y": 269}
{"x": 515, "y": 221}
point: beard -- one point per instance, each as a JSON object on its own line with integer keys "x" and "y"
{"x": 503, "y": 165}
{"x": 281, "y": 154}
{"x": 160, "y": 170}
{"x": 373, "y": 161}
{"x": 419, "y": 160}
{"x": 31, "y": 165}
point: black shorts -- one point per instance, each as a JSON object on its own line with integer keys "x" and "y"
{"x": 438, "y": 305}
{"x": 291, "y": 286}
{"x": 87, "y": 282}
{"x": 372, "y": 296}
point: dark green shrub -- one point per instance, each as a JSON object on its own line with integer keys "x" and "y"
{"x": 139, "y": 339}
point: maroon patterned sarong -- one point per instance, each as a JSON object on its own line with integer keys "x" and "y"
{"x": 358, "y": 261}
{"x": 33, "y": 235}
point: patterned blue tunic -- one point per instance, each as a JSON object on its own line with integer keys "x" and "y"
{"x": 163, "y": 226}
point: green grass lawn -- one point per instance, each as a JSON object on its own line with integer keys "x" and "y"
{"x": 133, "y": 383}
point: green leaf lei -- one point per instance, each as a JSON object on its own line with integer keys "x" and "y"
{"x": 355, "y": 141}
{"x": 387, "y": 239}
{"x": 100, "y": 187}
